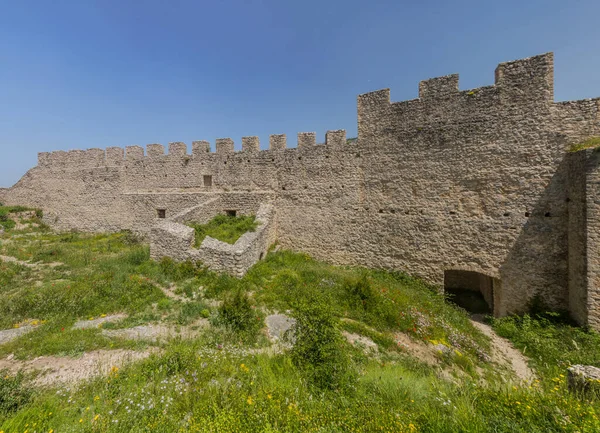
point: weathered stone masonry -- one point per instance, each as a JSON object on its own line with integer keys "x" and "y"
{"x": 474, "y": 180}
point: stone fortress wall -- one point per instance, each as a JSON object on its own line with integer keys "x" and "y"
{"x": 475, "y": 180}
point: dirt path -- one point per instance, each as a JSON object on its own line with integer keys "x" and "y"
{"x": 10, "y": 259}
{"x": 99, "y": 321}
{"x": 7, "y": 335}
{"x": 504, "y": 353}
{"x": 61, "y": 370}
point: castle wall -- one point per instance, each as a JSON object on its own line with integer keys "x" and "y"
{"x": 468, "y": 181}
{"x": 474, "y": 180}
{"x": 584, "y": 237}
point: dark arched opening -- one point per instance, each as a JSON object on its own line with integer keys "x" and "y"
{"x": 470, "y": 290}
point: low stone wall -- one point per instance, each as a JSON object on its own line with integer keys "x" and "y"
{"x": 176, "y": 240}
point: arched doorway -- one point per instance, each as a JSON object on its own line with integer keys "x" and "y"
{"x": 470, "y": 290}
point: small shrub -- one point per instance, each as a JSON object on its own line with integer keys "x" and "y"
{"x": 178, "y": 271}
{"x": 8, "y": 224}
{"x": 130, "y": 238}
{"x": 362, "y": 292}
{"x": 319, "y": 348}
{"x": 372, "y": 306}
{"x": 191, "y": 311}
{"x": 236, "y": 312}
{"x": 13, "y": 394}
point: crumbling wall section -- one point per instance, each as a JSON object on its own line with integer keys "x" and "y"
{"x": 175, "y": 240}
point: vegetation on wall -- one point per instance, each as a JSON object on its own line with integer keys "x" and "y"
{"x": 224, "y": 228}
{"x": 590, "y": 143}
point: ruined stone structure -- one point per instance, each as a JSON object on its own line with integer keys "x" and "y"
{"x": 479, "y": 181}
{"x": 172, "y": 238}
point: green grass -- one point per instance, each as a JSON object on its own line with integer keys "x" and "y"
{"x": 196, "y": 387}
{"x": 224, "y": 228}
{"x": 590, "y": 143}
{"x": 8, "y": 215}
{"x": 225, "y": 380}
{"x": 551, "y": 344}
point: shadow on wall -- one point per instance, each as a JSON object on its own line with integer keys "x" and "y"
{"x": 537, "y": 262}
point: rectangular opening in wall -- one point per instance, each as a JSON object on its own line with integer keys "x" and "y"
{"x": 470, "y": 290}
{"x": 161, "y": 213}
{"x": 231, "y": 213}
{"x": 207, "y": 180}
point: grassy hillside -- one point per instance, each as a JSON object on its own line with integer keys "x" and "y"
{"x": 231, "y": 377}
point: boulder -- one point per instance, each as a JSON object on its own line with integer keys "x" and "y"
{"x": 583, "y": 378}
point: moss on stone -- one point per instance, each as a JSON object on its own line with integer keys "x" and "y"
{"x": 590, "y": 143}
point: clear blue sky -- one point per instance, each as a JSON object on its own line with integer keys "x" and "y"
{"x": 82, "y": 74}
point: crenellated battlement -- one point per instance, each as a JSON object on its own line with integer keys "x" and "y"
{"x": 116, "y": 156}
{"x": 525, "y": 85}
{"x": 155, "y": 150}
{"x": 307, "y": 139}
{"x": 250, "y": 144}
{"x": 438, "y": 87}
{"x": 277, "y": 142}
